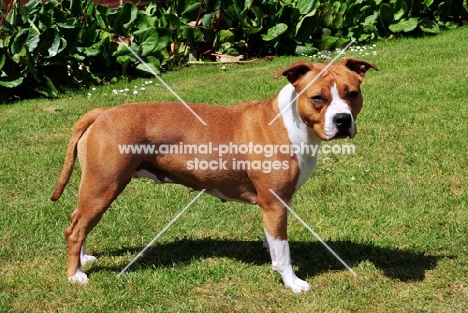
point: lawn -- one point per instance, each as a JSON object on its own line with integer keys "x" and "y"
{"x": 396, "y": 210}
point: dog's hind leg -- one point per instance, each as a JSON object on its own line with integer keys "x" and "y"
{"x": 94, "y": 198}
{"x": 85, "y": 258}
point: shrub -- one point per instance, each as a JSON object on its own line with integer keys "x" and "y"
{"x": 52, "y": 45}
{"x": 45, "y": 47}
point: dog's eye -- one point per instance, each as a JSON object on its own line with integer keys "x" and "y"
{"x": 352, "y": 95}
{"x": 318, "y": 99}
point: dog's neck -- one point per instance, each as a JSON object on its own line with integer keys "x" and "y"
{"x": 298, "y": 132}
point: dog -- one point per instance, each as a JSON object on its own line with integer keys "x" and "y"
{"x": 319, "y": 103}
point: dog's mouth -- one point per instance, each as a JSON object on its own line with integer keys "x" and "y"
{"x": 338, "y": 134}
{"x": 342, "y": 134}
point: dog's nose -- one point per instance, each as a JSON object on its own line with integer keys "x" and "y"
{"x": 342, "y": 121}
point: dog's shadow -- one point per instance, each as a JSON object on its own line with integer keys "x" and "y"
{"x": 311, "y": 258}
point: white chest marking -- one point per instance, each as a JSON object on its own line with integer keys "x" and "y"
{"x": 337, "y": 105}
{"x": 299, "y": 134}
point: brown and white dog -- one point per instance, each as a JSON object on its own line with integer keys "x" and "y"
{"x": 325, "y": 110}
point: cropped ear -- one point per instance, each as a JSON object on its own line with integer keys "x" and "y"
{"x": 295, "y": 71}
{"x": 358, "y": 66}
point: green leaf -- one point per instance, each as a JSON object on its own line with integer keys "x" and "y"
{"x": 305, "y": 6}
{"x": 328, "y": 42}
{"x": 306, "y": 27}
{"x": 307, "y": 49}
{"x": 338, "y": 22}
{"x": 275, "y": 32}
{"x": 327, "y": 19}
{"x": 371, "y": 19}
{"x": 63, "y": 45}
{"x": 429, "y": 26}
{"x": 101, "y": 14}
{"x": 450, "y": 25}
{"x": 343, "y": 9}
{"x": 191, "y": 12}
{"x": 33, "y": 26}
{"x": 93, "y": 50}
{"x": 443, "y": 9}
{"x": 47, "y": 88}
{"x": 206, "y": 20}
{"x": 252, "y": 30}
{"x": 224, "y": 35}
{"x": 386, "y": 14}
{"x": 2, "y": 58}
{"x": 326, "y": 32}
{"x": 49, "y": 42}
{"x": 192, "y": 34}
{"x": 164, "y": 40}
{"x": 399, "y": 9}
{"x": 428, "y": 3}
{"x": 75, "y": 7}
{"x": 336, "y": 6}
{"x": 25, "y": 38}
{"x": 10, "y": 81}
{"x": 353, "y": 11}
{"x": 405, "y": 25}
{"x": 129, "y": 14}
{"x": 153, "y": 63}
{"x": 148, "y": 39}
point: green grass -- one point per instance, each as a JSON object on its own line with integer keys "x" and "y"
{"x": 396, "y": 210}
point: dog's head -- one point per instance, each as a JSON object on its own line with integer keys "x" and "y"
{"x": 329, "y": 95}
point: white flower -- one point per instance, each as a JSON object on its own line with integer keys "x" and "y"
{"x": 94, "y": 88}
{"x": 89, "y": 94}
{"x": 115, "y": 92}
{"x": 135, "y": 92}
{"x": 142, "y": 88}
{"x": 126, "y": 89}
{"x": 374, "y": 52}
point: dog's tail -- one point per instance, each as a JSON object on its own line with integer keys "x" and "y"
{"x": 78, "y": 130}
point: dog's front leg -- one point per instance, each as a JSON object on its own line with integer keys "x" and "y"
{"x": 275, "y": 225}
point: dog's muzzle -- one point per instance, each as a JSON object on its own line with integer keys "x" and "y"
{"x": 344, "y": 124}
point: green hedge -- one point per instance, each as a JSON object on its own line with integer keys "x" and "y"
{"x": 47, "y": 47}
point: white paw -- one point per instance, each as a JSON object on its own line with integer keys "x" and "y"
{"x": 297, "y": 285}
{"x": 86, "y": 258}
{"x": 79, "y": 277}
